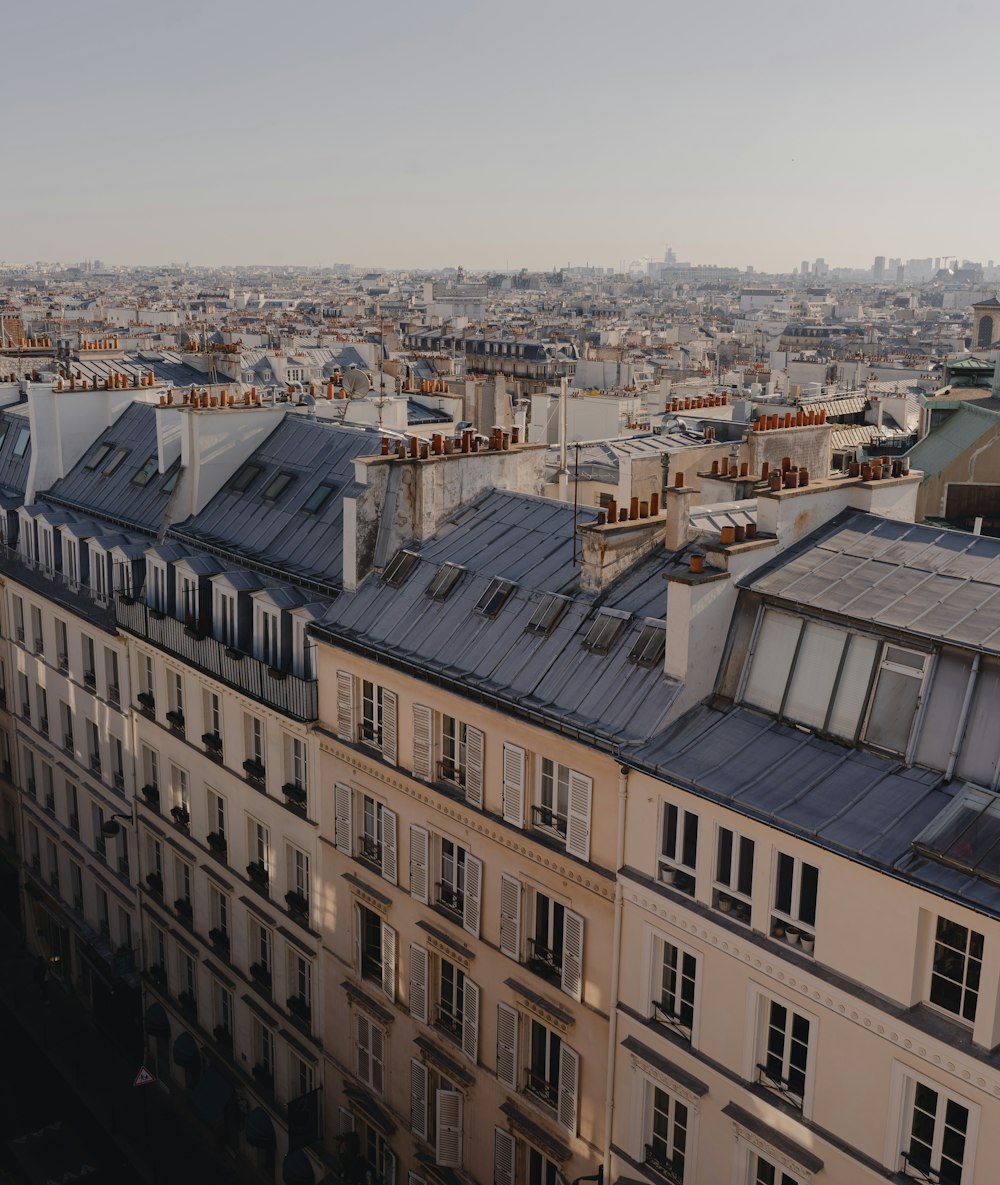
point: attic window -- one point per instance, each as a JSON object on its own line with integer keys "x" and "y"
{"x": 3, "y": 434}
{"x": 21, "y": 444}
{"x": 604, "y": 631}
{"x": 966, "y": 834}
{"x": 100, "y": 453}
{"x": 115, "y": 461}
{"x": 650, "y": 644}
{"x": 548, "y": 611}
{"x": 244, "y": 477}
{"x": 145, "y": 474}
{"x": 277, "y": 486}
{"x": 493, "y": 600}
{"x": 399, "y": 567}
{"x": 444, "y": 581}
{"x": 319, "y": 497}
{"x": 168, "y": 485}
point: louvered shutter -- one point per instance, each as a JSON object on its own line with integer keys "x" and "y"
{"x": 377, "y": 1051}
{"x": 569, "y": 1085}
{"x": 507, "y": 1045}
{"x": 422, "y": 718}
{"x": 388, "y": 1166}
{"x": 578, "y": 826}
{"x": 470, "y": 1021}
{"x": 345, "y": 707}
{"x": 513, "y": 784}
{"x": 572, "y": 954}
{"x": 510, "y": 917}
{"x": 389, "y": 961}
{"x": 471, "y": 901}
{"x": 345, "y": 1121}
{"x": 448, "y": 1151}
{"x": 358, "y": 926}
{"x": 343, "y": 802}
{"x": 364, "y": 1046}
{"x": 418, "y": 1098}
{"x": 418, "y": 863}
{"x": 389, "y": 726}
{"x": 389, "y": 845}
{"x": 413, "y": 1179}
{"x": 503, "y": 1157}
{"x": 474, "y": 752}
{"x": 418, "y": 983}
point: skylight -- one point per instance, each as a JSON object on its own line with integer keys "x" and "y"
{"x": 493, "y": 600}
{"x": 548, "y": 611}
{"x": 3, "y": 434}
{"x": 399, "y": 567}
{"x": 966, "y": 834}
{"x": 21, "y": 444}
{"x": 168, "y": 485}
{"x": 445, "y": 579}
{"x": 650, "y": 645}
{"x": 145, "y": 474}
{"x": 319, "y": 497}
{"x": 241, "y": 482}
{"x": 100, "y": 453}
{"x": 604, "y": 631}
{"x": 277, "y": 486}
{"x": 115, "y": 461}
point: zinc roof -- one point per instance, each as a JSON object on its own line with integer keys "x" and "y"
{"x": 959, "y": 431}
{"x": 13, "y": 469}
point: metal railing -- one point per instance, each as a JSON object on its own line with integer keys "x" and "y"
{"x": 55, "y": 586}
{"x": 287, "y": 694}
{"x": 656, "y": 1158}
{"x": 541, "y": 1088}
{"x": 680, "y": 1022}
{"x": 779, "y": 1085}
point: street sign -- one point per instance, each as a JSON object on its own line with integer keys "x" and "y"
{"x": 143, "y": 1078}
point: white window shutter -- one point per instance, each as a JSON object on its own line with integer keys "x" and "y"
{"x": 389, "y": 961}
{"x": 507, "y": 1045}
{"x": 418, "y": 983}
{"x": 475, "y": 744}
{"x": 448, "y": 1151}
{"x": 418, "y": 1098}
{"x": 471, "y": 901}
{"x": 572, "y": 954}
{"x": 578, "y": 826}
{"x": 345, "y": 707}
{"x": 389, "y": 845}
{"x": 345, "y": 1121}
{"x": 343, "y": 802}
{"x": 377, "y": 1051}
{"x": 364, "y": 1046}
{"x": 510, "y": 917}
{"x": 513, "y": 784}
{"x": 388, "y": 1166}
{"x": 389, "y": 726}
{"x": 503, "y": 1157}
{"x": 422, "y": 742}
{"x": 357, "y": 938}
{"x": 569, "y": 1086}
{"x": 470, "y": 1021}
{"x": 413, "y": 1178}
{"x": 418, "y": 863}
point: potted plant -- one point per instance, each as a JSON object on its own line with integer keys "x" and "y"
{"x": 233, "y": 653}
{"x": 219, "y": 937}
{"x": 184, "y": 907}
{"x": 294, "y": 793}
{"x": 181, "y": 815}
{"x": 298, "y": 1006}
{"x": 212, "y": 741}
{"x": 146, "y": 701}
{"x": 158, "y": 974}
{"x": 807, "y": 942}
{"x": 155, "y": 882}
{"x": 217, "y": 843}
{"x": 176, "y": 719}
{"x": 261, "y": 974}
{"x": 257, "y": 872}
{"x": 254, "y": 770}
{"x": 151, "y": 795}
{"x": 297, "y": 902}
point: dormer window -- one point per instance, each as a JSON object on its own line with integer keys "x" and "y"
{"x": 71, "y": 561}
{"x": 98, "y": 573}
{"x": 268, "y": 635}
{"x": 157, "y": 586}
{"x": 225, "y": 616}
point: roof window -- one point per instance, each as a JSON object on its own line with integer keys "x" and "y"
{"x": 245, "y": 477}
{"x": 445, "y": 579}
{"x": 319, "y": 497}
{"x": 547, "y": 612}
{"x": 100, "y": 453}
{"x": 604, "y": 631}
{"x": 115, "y": 461}
{"x": 399, "y": 567}
{"x": 277, "y": 486}
{"x": 21, "y": 444}
{"x": 145, "y": 474}
{"x": 172, "y": 476}
{"x": 495, "y": 597}
{"x": 3, "y": 434}
{"x": 966, "y": 834}
{"x": 650, "y": 644}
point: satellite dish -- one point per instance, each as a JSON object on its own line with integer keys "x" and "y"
{"x": 356, "y": 383}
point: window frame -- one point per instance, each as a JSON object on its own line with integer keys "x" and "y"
{"x": 673, "y": 867}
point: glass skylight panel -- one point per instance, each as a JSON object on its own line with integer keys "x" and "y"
{"x": 445, "y": 579}
{"x": 547, "y": 612}
{"x": 319, "y": 497}
{"x": 115, "y": 461}
{"x": 100, "y": 453}
{"x": 492, "y": 601}
{"x": 241, "y": 482}
{"x": 399, "y": 567}
{"x": 3, "y": 434}
{"x": 21, "y": 444}
{"x": 145, "y": 474}
{"x": 966, "y": 833}
{"x": 650, "y": 644}
{"x": 168, "y": 485}
{"x": 604, "y": 631}
{"x": 277, "y": 486}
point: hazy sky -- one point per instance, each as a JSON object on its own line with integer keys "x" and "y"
{"x": 513, "y": 133}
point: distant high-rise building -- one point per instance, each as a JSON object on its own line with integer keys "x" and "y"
{"x": 878, "y": 269}
{"x": 669, "y": 258}
{"x": 900, "y": 273}
{"x": 805, "y": 267}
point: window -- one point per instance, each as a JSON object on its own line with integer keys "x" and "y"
{"x": 298, "y": 872}
{"x": 301, "y": 1079}
{"x": 956, "y": 969}
{"x": 103, "y": 913}
{"x": 111, "y": 672}
{"x": 151, "y": 768}
{"x": 76, "y": 884}
{"x": 67, "y": 726}
{"x": 179, "y": 793}
{"x": 115, "y": 461}
{"x": 733, "y": 875}
{"x": 145, "y": 474}
{"x": 765, "y": 1172}
{"x": 259, "y": 844}
{"x": 795, "y": 890}
{"x": 937, "y": 1130}
{"x": 547, "y": 612}
{"x": 451, "y": 886}
{"x": 552, "y": 811}
{"x": 222, "y": 1010}
{"x": 37, "y": 634}
{"x": 606, "y": 628}
{"x": 783, "y": 1051}
{"x": 494, "y": 598}
{"x": 175, "y": 683}
{"x": 371, "y": 713}
{"x": 219, "y": 908}
{"x": 319, "y": 497}
{"x": 117, "y": 763}
{"x": 89, "y": 661}
{"x": 188, "y": 598}
{"x": 551, "y": 1072}
{"x": 182, "y": 877}
{"x": 399, "y": 567}
{"x": 253, "y": 729}
{"x": 244, "y": 477}
{"x": 454, "y": 740}
{"x": 451, "y": 999}
{"x": 678, "y": 857}
{"x": 441, "y": 994}
{"x": 370, "y": 1044}
{"x": 555, "y": 943}
{"x": 650, "y": 644}
{"x": 445, "y": 579}
{"x": 261, "y": 951}
{"x": 72, "y": 808}
{"x": 299, "y": 983}
{"x": 375, "y": 949}
{"x": 97, "y": 824}
{"x": 666, "y": 1126}
{"x": 98, "y": 456}
{"x": 263, "y": 1053}
{"x": 268, "y": 636}
{"x": 675, "y": 981}
{"x": 296, "y": 757}
{"x": 213, "y": 715}
{"x": 216, "y": 816}
{"x": 277, "y": 486}
{"x": 436, "y": 1109}
{"x": 225, "y": 617}
{"x": 158, "y": 587}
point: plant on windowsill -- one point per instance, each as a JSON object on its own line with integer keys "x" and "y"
{"x": 263, "y": 1076}
{"x": 218, "y": 937}
{"x": 217, "y": 843}
{"x": 155, "y": 883}
{"x": 297, "y": 903}
{"x": 223, "y": 1036}
{"x": 192, "y": 629}
{"x": 258, "y": 873}
{"x": 157, "y": 614}
{"x": 158, "y": 974}
{"x": 233, "y": 653}
{"x": 212, "y": 741}
{"x": 146, "y": 701}
{"x": 298, "y": 1007}
{"x": 261, "y": 974}
{"x": 126, "y": 598}
{"x": 184, "y": 908}
{"x": 275, "y": 673}
{"x": 254, "y": 770}
{"x": 181, "y": 815}
{"x": 151, "y": 795}
{"x": 176, "y": 719}
{"x": 188, "y": 1003}
{"x": 294, "y": 793}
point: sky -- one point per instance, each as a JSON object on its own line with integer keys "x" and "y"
{"x": 498, "y": 135}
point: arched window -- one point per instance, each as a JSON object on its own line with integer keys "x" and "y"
{"x": 985, "y": 338}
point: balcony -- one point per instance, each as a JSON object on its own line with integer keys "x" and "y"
{"x": 656, "y": 1157}
{"x": 54, "y": 586}
{"x": 285, "y": 693}
{"x": 541, "y": 1088}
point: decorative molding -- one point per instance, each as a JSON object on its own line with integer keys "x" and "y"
{"x": 650, "y": 1071}
{"x": 744, "y": 1135}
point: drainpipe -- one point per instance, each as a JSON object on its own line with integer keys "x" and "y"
{"x": 616, "y": 951}
{"x": 963, "y": 719}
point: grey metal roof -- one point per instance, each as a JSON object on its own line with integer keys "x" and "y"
{"x": 13, "y": 469}
{"x": 936, "y": 583}
{"x": 118, "y": 495}
{"x": 279, "y": 533}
